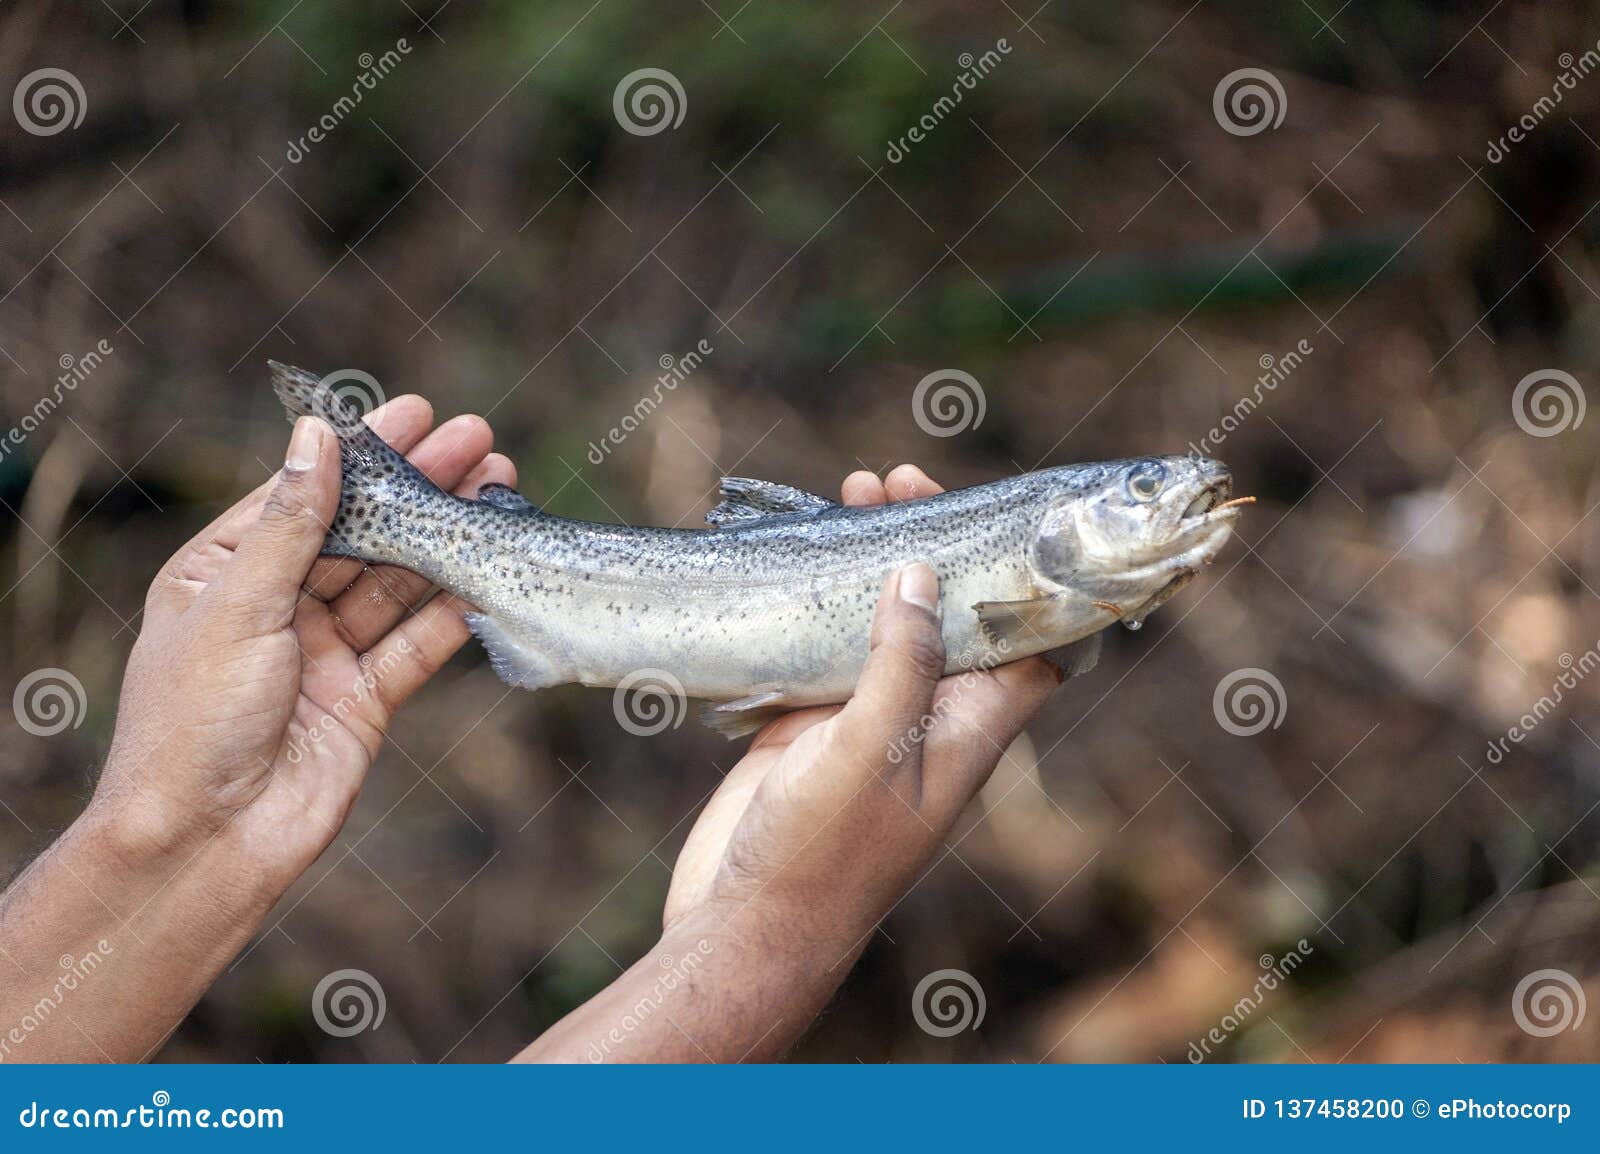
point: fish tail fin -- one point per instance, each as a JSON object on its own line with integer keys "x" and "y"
{"x": 378, "y": 484}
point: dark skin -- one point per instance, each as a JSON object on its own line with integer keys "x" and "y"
{"x": 251, "y": 712}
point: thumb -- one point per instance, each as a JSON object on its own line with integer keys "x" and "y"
{"x": 884, "y": 718}
{"x": 261, "y": 585}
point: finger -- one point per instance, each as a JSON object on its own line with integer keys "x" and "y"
{"x": 862, "y": 488}
{"x": 777, "y": 735}
{"x": 381, "y": 595}
{"x": 896, "y": 686}
{"x": 384, "y": 594}
{"x": 258, "y": 589}
{"x": 907, "y": 483}
{"x": 402, "y": 422}
{"x": 412, "y": 652}
{"x": 981, "y": 713}
{"x": 332, "y": 575}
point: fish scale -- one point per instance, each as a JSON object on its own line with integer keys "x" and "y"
{"x": 771, "y": 608}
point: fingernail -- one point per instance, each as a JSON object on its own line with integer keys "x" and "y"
{"x": 305, "y": 444}
{"x": 919, "y": 587}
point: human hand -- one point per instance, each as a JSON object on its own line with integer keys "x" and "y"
{"x": 810, "y": 840}
{"x": 834, "y": 810}
{"x": 263, "y": 678}
{"x": 250, "y": 712}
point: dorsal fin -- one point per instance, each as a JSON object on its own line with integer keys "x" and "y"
{"x": 507, "y": 498}
{"x": 745, "y": 500}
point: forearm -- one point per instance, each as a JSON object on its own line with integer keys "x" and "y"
{"x": 109, "y": 938}
{"x": 741, "y": 990}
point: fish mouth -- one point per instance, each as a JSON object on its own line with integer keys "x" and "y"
{"x": 1214, "y": 499}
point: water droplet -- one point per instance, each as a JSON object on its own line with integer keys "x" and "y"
{"x": 1134, "y": 626}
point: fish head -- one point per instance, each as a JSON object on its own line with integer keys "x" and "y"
{"x": 1123, "y": 531}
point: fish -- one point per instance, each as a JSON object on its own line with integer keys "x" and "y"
{"x": 769, "y": 608}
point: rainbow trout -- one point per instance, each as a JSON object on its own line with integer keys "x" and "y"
{"x": 770, "y": 608}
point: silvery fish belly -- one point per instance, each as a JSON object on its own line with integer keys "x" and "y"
{"x": 771, "y": 607}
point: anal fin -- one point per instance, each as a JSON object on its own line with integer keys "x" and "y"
{"x": 743, "y": 716}
{"x": 518, "y": 664}
{"x": 1076, "y": 659}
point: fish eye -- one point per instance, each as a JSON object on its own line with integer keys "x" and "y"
{"x": 1145, "y": 480}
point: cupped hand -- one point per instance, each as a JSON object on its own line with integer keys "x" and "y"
{"x": 835, "y": 810}
{"x": 263, "y": 678}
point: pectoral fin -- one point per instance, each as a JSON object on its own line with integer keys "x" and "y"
{"x": 743, "y": 716}
{"x": 1014, "y": 623}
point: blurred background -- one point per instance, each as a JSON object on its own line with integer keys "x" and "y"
{"x": 1332, "y": 269}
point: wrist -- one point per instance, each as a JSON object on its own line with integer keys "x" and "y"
{"x": 148, "y": 844}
